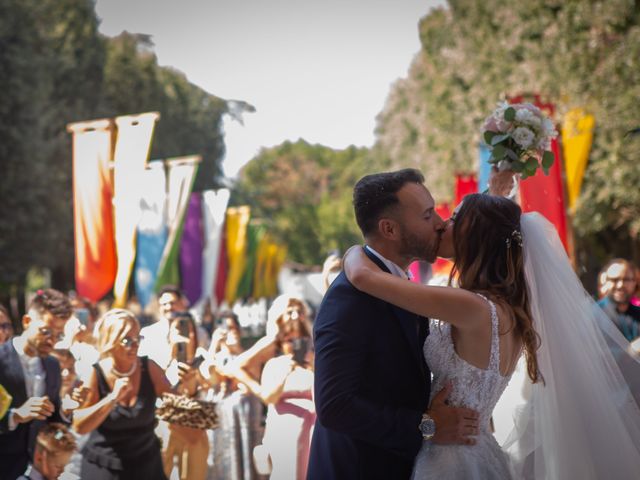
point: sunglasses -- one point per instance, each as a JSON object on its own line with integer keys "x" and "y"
{"x": 130, "y": 342}
{"x": 47, "y": 332}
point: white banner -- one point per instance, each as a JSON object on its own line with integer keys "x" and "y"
{"x": 214, "y": 207}
{"x": 130, "y": 158}
{"x": 180, "y": 176}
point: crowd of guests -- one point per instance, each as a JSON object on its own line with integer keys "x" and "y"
{"x": 83, "y": 387}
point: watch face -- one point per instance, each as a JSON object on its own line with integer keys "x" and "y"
{"x": 428, "y": 427}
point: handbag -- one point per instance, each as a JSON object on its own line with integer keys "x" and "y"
{"x": 187, "y": 412}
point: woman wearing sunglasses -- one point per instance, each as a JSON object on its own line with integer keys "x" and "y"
{"x": 119, "y": 411}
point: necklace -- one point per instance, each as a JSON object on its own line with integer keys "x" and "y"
{"x": 120, "y": 374}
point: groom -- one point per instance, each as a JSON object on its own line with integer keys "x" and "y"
{"x": 372, "y": 384}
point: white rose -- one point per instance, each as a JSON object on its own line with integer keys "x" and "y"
{"x": 527, "y": 117}
{"x": 523, "y": 137}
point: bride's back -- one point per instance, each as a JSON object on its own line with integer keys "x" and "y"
{"x": 474, "y": 347}
{"x": 489, "y": 260}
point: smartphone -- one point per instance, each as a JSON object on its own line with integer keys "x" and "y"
{"x": 82, "y": 314}
{"x": 300, "y": 347}
{"x": 197, "y": 361}
{"x": 183, "y": 319}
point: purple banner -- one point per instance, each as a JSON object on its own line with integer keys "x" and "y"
{"x": 191, "y": 246}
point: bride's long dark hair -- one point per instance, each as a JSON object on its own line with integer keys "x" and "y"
{"x": 489, "y": 259}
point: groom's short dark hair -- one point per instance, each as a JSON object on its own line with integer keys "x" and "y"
{"x": 374, "y": 194}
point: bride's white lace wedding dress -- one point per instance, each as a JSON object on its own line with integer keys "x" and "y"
{"x": 582, "y": 422}
{"x": 474, "y": 388}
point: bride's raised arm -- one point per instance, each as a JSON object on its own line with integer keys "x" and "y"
{"x": 461, "y": 308}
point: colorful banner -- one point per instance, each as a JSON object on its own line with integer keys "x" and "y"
{"x": 223, "y": 268}
{"x": 191, "y": 248}
{"x": 246, "y": 287}
{"x": 95, "y": 251}
{"x": 129, "y": 158}
{"x": 577, "y": 136}
{"x": 152, "y": 231}
{"x": 237, "y": 222}
{"x": 214, "y": 207}
{"x": 181, "y": 175}
{"x": 544, "y": 194}
{"x": 484, "y": 167}
{"x": 263, "y": 258}
{"x": 465, "y": 184}
{"x": 276, "y": 256}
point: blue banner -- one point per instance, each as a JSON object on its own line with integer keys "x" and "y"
{"x": 484, "y": 167}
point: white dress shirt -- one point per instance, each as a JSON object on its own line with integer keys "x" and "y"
{"x": 35, "y": 377}
{"x": 393, "y": 267}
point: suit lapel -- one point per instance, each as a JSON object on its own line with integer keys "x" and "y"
{"x": 411, "y": 324}
{"x": 12, "y": 375}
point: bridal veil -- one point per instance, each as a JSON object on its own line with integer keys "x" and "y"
{"x": 584, "y": 421}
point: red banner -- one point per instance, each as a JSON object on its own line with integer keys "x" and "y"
{"x": 545, "y": 194}
{"x": 465, "y": 184}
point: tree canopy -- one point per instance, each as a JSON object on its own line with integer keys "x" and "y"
{"x": 55, "y": 68}
{"x": 303, "y": 191}
{"x": 573, "y": 53}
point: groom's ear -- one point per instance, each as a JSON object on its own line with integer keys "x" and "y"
{"x": 387, "y": 228}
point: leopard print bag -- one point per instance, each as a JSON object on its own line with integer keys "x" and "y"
{"x": 187, "y": 412}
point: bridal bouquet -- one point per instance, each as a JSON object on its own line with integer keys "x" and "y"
{"x": 519, "y": 136}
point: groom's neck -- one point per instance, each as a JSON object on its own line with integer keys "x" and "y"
{"x": 389, "y": 252}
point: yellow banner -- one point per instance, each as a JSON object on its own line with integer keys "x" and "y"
{"x": 577, "y": 135}
{"x": 237, "y": 222}
{"x": 130, "y": 158}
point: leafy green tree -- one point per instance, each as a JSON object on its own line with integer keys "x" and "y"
{"x": 50, "y": 71}
{"x": 303, "y": 192}
{"x": 55, "y": 68}
{"x": 576, "y": 53}
{"x": 190, "y": 118}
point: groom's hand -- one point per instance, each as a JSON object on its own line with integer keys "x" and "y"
{"x": 453, "y": 425}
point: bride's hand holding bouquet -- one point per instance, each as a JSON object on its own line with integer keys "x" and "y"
{"x": 519, "y": 136}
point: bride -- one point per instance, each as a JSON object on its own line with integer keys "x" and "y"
{"x": 518, "y": 294}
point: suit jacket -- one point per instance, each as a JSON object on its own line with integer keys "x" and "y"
{"x": 16, "y": 447}
{"x": 371, "y": 386}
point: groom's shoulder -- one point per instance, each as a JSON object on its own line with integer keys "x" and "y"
{"x": 342, "y": 293}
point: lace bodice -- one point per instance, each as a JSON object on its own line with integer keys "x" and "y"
{"x": 473, "y": 387}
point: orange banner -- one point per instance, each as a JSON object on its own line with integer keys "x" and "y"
{"x": 95, "y": 251}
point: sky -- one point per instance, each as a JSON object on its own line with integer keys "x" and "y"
{"x": 316, "y": 70}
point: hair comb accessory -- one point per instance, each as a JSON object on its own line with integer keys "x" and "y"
{"x": 516, "y": 236}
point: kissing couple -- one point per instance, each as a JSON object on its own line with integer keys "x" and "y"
{"x": 407, "y": 375}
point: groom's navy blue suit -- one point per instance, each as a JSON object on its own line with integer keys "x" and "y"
{"x": 371, "y": 386}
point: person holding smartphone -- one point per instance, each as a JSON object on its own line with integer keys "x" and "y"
{"x": 285, "y": 386}
{"x": 171, "y": 342}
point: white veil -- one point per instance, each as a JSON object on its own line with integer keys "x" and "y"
{"x": 584, "y": 422}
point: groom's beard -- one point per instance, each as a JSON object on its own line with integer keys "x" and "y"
{"x": 418, "y": 247}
